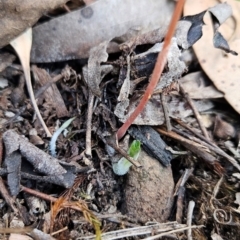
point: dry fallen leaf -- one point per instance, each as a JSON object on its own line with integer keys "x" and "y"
{"x": 72, "y": 36}
{"x": 223, "y": 69}
{"x": 153, "y": 115}
{"x": 16, "y": 17}
{"x": 196, "y": 85}
{"x": 93, "y": 78}
{"x": 22, "y": 45}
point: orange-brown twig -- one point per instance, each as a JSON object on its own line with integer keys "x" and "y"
{"x": 159, "y": 66}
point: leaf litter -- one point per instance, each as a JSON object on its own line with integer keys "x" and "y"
{"x": 100, "y": 95}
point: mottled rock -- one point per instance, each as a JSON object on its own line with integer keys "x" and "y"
{"x": 149, "y": 191}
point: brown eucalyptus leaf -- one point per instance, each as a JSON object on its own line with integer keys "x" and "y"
{"x": 222, "y": 69}
{"x": 153, "y": 114}
{"x": 22, "y": 45}
{"x": 98, "y": 55}
{"x": 16, "y": 16}
{"x": 72, "y": 35}
{"x": 189, "y": 29}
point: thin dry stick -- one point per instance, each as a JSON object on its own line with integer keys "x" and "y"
{"x": 39, "y": 194}
{"x": 180, "y": 193}
{"x": 194, "y": 132}
{"x": 88, "y": 151}
{"x": 1, "y": 150}
{"x": 187, "y": 135}
{"x": 191, "y": 206}
{"x": 59, "y": 231}
{"x": 181, "y": 182}
{"x": 173, "y": 231}
{"x": 178, "y": 137}
{"x": 215, "y": 191}
{"x": 122, "y": 152}
{"x": 166, "y": 114}
{"x": 214, "y": 148}
{"x": 211, "y": 145}
{"x": 196, "y": 148}
{"x": 12, "y": 119}
{"x": 136, "y": 231}
{"x": 195, "y": 111}
{"x": 5, "y": 194}
{"x": 161, "y": 61}
{"x": 42, "y": 89}
{"x": 180, "y": 198}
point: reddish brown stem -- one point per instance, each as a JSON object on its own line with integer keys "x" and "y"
{"x": 159, "y": 66}
{"x": 39, "y": 194}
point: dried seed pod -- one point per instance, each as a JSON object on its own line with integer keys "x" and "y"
{"x": 36, "y": 140}
{"x": 223, "y": 129}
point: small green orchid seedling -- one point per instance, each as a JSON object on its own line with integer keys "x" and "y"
{"x": 122, "y": 166}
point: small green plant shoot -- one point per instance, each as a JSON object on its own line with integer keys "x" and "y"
{"x": 122, "y": 166}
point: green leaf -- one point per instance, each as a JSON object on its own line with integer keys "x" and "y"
{"x": 134, "y": 149}
{"x": 123, "y": 165}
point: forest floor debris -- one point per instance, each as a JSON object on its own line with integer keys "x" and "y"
{"x": 183, "y": 184}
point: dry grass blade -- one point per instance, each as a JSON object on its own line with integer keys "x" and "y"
{"x": 22, "y": 45}
{"x": 63, "y": 203}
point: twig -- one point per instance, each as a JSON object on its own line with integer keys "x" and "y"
{"x": 173, "y": 231}
{"x": 1, "y": 150}
{"x": 159, "y": 66}
{"x": 59, "y": 231}
{"x": 194, "y": 132}
{"x": 215, "y": 149}
{"x": 178, "y": 137}
{"x": 212, "y": 146}
{"x": 66, "y": 8}
{"x": 180, "y": 192}
{"x": 88, "y": 151}
{"x": 158, "y": 227}
{"x": 124, "y": 223}
{"x": 180, "y": 197}
{"x": 195, "y": 111}
{"x": 166, "y": 114}
{"x": 181, "y": 182}
{"x": 191, "y": 206}
{"x": 42, "y": 89}
{"x": 215, "y": 191}
{"x": 195, "y": 148}
{"x": 39, "y": 194}
{"x": 9, "y": 200}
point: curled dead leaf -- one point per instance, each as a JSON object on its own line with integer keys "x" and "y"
{"x": 222, "y": 69}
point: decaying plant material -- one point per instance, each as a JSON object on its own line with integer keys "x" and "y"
{"x": 91, "y": 23}
{"x": 16, "y": 18}
{"x": 183, "y": 146}
{"x": 217, "y": 66}
{"x": 22, "y": 45}
{"x": 17, "y": 146}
